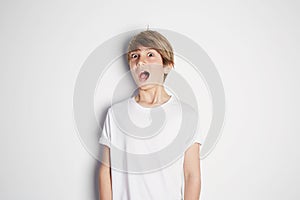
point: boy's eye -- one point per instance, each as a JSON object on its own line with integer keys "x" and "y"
{"x": 150, "y": 54}
{"x": 134, "y": 55}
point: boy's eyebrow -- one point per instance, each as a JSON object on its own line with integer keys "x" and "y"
{"x": 150, "y": 48}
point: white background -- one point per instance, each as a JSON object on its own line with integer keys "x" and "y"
{"x": 254, "y": 45}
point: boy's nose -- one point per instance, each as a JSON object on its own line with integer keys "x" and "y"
{"x": 141, "y": 62}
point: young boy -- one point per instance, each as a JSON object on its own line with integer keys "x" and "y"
{"x": 150, "y": 58}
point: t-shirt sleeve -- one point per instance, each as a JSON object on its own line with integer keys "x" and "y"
{"x": 105, "y": 137}
{"x": 198, "y": 138}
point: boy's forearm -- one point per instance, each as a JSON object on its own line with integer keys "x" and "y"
{"x": 105, "y": 191}
{"x": 192, "y": 188}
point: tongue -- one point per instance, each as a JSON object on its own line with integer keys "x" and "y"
{"x": 143, "y": 76}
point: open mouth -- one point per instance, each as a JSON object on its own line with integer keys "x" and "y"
{"x": 144, "y": 75}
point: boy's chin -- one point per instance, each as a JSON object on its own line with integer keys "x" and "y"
{"x": 146, "y": 86}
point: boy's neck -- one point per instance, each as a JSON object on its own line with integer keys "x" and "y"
{"x": 152, "y": 97}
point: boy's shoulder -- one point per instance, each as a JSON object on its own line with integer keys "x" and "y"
{"x": 188, "y": 110}
{"x": 120, "y": 105}
{"x": 123, "y": 105}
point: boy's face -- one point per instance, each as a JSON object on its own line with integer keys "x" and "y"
{"x": 146, "y": 65}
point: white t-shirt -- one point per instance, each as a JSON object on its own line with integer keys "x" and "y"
{"x": 147, "y": 162}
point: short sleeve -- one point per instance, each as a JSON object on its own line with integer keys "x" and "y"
{"x": 105, "y": 137}
{"x": 199, "y": 138}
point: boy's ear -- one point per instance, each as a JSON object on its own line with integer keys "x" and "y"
{"x": 167, "y": 68}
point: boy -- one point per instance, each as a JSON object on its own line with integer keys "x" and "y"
{"x": 150, "y": 58}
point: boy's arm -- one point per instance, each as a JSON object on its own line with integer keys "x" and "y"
{"x": 104, "y": 179}
{"x": 192, "y": 176}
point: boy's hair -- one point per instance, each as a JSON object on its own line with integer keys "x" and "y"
{"x": 156, "y": 41}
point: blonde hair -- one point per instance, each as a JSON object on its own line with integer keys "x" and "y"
{"x": 156, "y": 41}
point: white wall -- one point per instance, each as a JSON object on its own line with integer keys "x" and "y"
{"x": 254, "y": 45}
